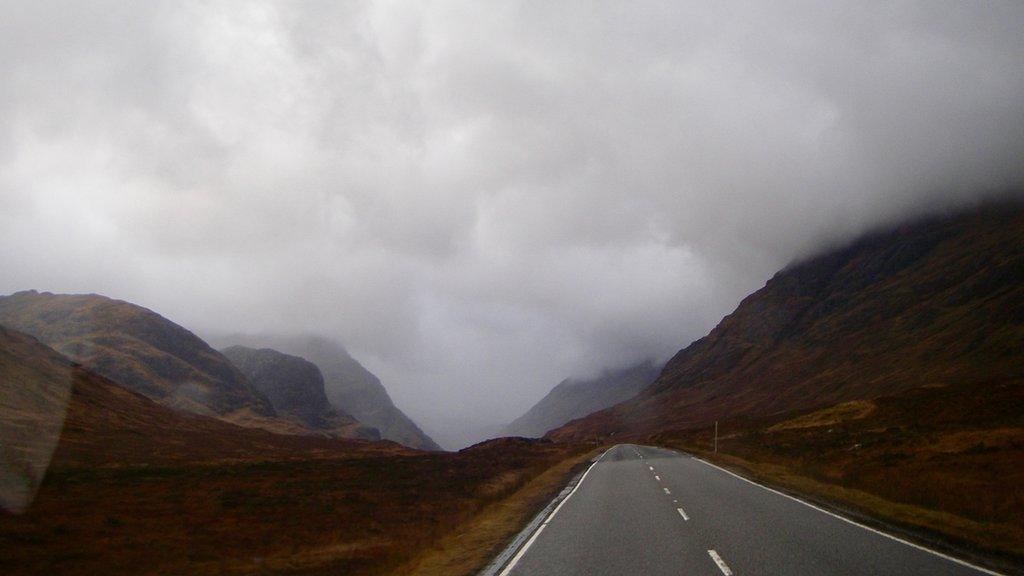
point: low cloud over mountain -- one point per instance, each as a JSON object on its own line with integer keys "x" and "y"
{"x": 478, "y": 200}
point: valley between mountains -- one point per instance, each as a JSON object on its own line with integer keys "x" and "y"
{"x": 883, "y": 379}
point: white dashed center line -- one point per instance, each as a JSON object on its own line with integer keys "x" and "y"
{"x": 666, "y": 491}
{"x": 658, "y": 478}
{"x": 721, "y": 563}
{"x": 682, "y": 513}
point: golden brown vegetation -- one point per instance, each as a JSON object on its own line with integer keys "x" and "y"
{"x": 473, "y": 544}
{"x": 137, "y": 488}
{"x": 944, "y": 463}
{"x": 883, "y": 377}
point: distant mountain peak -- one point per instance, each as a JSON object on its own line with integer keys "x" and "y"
{"x": 348, "y": 385}
{"x": 575, "y": 398}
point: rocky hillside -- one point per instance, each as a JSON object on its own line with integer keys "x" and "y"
{"x": 137, "y": 348}
{"x": 349, "y": 386}
{"x": 884, "y": 377}
{"x": 576, "y": 398}
{"x": 295, "y": 387}
{"x": 932, "y": 303}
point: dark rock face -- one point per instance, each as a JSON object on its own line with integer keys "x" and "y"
{"x": 932, "y": 303}
{"x": 294, "y": 386}
{"x": 136, "y": 348}
{"x": 573, "y": 398}
{"x": 349, "y": 386}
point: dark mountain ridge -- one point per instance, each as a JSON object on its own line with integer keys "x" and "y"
{"x": 295, "y": 387}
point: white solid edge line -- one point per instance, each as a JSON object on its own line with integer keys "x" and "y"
{"x": 683, "y": 514}
{"x": 515, "y": 559}
{"x": 721, "y": 563}
{"x": 854, "y": 522}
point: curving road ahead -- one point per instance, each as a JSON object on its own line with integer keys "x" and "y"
{"x": 642, "y": 510}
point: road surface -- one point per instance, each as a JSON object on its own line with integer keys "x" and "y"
{"x": 642, "y": 510}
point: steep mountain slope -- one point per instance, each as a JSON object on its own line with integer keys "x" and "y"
{"x": 574, "y": 398}
{"x": 349, "y": 386}
{"x": 137, "y": 348}
{"x": 884, "y": 378}
{"x": 932, "y": 303}
{"x": 295, "y": 387}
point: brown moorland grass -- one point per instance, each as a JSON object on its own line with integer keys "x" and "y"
{"x": 353, "y": 516}
{"x": 935, "y": 528}
{"x": 137, "y": 488}
{"x": 832, "y": 415}
{"x": 943, "y": 464}
{"x": 474, "y": 544}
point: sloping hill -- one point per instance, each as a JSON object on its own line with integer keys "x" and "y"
{"x": 44, "y": 397}
{"x": 575, "y": 398}
{"x": 349, "y": 386}
{"x": 932, "y": 303}
{"x": 135, "y": 487}
{"x": 35, "y": 385}
{"x": 138, "y": 349}
{"x": 295, "y": 387}
{"x": 884, "y": 378}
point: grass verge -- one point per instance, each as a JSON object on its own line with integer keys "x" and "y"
{"x": 999, "y": 546}
{"x": 471, "y": 546}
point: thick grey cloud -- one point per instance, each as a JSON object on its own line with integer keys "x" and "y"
{"x": 480, "y": 199}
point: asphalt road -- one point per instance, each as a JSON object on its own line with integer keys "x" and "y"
{"x": 642, "y": 510}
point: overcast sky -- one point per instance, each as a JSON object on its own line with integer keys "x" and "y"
{"x": 481, "y": 198}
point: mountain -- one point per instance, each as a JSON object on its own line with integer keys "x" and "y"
{"x": 127, "y": 472}
{"x": 46, "y": 398}
{"x": 295, "y": 387}
{"x": 575, "y": 398}
{"x": 349, "y": 386}
{"x": 885, "y": 378}
{"x": 139, "y": 349}
{"x": 930, "y": 303}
